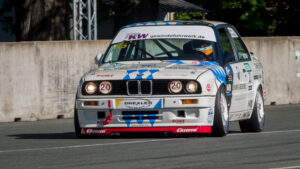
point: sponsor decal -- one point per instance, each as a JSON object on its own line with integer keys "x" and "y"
{"x": 210, "y": 116}
{"x": 239, "y": 86}
{"x": 228, "y": 88}
{"x": 181, "y": 130}
{"x": 121, "y": 45}
{"x": 257, "y": 65}
{"x": 250, "y": 87}
{"x": 257, "y": 76}
{"x": 178, "y": 121}
{"x": 108, "y": 75}
{"x": 208, "y": 87}
{"x": 138, "y": 103}
{"x": 140, "y": 74}
{"x": 95, "y": 131}
{"x": 178, "y": 36}
{"x": 135, "y": 36}
{"x": 250, "y": 77}
{"x": 196, "y": 62}
{"x": 158, "y": 32}
{"x": 247, "y": 67}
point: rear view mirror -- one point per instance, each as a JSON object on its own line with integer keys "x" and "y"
{"x": 98, "y": 58}
{"x": 227, "y": 57}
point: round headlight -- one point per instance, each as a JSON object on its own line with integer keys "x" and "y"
{"x": 105, "y": 87}
{"x": 191, "y": 87}
{"x": 90, "y": 88}
{"x": 175, "y": 86}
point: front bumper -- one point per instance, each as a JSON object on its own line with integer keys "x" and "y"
{"x": 161, "y": 114}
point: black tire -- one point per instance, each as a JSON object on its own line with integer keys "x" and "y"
{"x": 221, "y": 120}
{"x": 257, "y": 121}
{"x": 77, "y": 126}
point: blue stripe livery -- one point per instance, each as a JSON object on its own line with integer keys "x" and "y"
{"x": 140, "y": 74}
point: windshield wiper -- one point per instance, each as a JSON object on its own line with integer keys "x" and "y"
{"x": 141, "y": 49}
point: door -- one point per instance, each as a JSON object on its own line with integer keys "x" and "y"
{"x": 236, "y": 86}
{"x": 243, "y": 69}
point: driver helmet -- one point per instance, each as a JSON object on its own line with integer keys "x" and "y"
{"x": 204, "y": 47}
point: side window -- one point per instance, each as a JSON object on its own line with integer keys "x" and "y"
{"x": 240, "y": 47}
{"x": 228, "y": 53}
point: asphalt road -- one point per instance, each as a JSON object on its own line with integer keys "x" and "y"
{"x": 52, "y": 144}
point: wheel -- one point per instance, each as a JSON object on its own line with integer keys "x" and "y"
{"x": 77, "y": 126}
{"x": 221, "y": 118}
{"x": 257, "y": 120}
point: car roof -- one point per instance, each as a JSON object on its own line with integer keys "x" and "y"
{"x": 181, "y": 22}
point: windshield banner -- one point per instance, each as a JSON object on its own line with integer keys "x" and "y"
{"x": 166, "y": 32}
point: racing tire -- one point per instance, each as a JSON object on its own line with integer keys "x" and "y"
{"x": 257, "y": 120}
{"x": 221, "y": 118}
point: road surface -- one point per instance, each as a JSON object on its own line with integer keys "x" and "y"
{"x": 52, "y": 144}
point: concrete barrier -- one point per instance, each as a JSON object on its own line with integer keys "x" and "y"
{"x": 281, "y": 67}
{"x": 38, "y": 80}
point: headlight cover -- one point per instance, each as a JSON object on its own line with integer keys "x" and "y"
{"x": 191, "y": 87}
{"x": 90, "y": 88}
{"x": 175, "y": 86}
{"x": 105, "y": 87}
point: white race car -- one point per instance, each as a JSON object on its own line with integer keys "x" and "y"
{"x": 178, "y": 77}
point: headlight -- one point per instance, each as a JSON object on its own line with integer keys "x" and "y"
{"x": 191, "y": 87}
{"x": 175, "y": 86}
{"x": 105, "y": 87}
{"x": 90, "y": 88}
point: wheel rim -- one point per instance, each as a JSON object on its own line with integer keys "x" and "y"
{"x": 260, "y": 109}
{"x": 224, "y": 110}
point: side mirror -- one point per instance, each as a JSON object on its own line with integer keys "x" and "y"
{"x": 98, "y": 58}
{"x": 228, "y": 57}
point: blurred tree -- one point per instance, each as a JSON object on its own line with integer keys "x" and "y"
{"x": 253, "y": 17}
{"x": 39, "y": 19}
{"x": 130, "y": 11}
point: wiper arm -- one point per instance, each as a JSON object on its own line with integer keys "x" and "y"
{"x": 141, "y": 49}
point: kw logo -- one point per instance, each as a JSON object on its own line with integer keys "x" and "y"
{"x": 135, "y": 36}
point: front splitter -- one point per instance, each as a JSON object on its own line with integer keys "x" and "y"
{"x": 104, "y": 131}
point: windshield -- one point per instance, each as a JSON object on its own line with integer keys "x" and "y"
{"x": 162, "y": 49}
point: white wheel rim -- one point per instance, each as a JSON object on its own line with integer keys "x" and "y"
{"x": 224, "y": 111}
{"x": 260, "y": 109}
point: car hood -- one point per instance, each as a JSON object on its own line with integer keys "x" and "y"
{"x": 175, "y": 69}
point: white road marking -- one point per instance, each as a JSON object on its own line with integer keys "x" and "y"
{"x": 265, "y": 132}
{"x": 132, "y": 142}
{"x": 80, "y": 146}
{"x": 291, "y": 167}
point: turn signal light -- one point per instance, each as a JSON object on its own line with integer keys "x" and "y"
{"x": 189, "y": 101}
{"x": 91, "y": 103}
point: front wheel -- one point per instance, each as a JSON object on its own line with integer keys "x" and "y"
{"x": 257, "y": 120}
{"x": 221, "y": 118}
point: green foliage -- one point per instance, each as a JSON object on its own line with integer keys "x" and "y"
{"x": 251, "y": 17}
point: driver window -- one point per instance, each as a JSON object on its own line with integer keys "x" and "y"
{"x": 241, "y": 50}
{"x": 226, "y": 45}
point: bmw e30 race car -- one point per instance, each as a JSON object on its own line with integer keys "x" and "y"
{"x": 179, "y": 77}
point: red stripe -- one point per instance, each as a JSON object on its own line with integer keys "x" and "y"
{"x": 108, "y": 104}
{"x": 196, "y": 129}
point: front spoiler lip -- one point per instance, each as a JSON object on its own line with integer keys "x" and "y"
{"x": 177, "y": 130}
